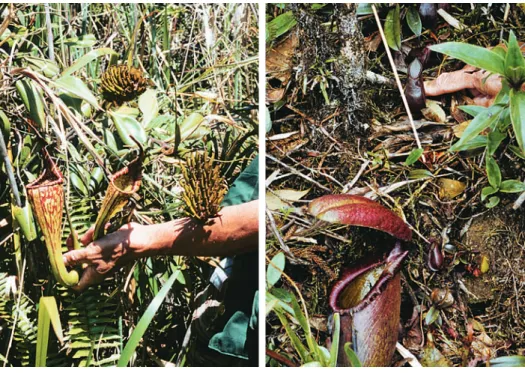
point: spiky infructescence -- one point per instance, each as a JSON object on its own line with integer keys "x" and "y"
{"x": 122, "y": 83}
{"x": 203, "y": 187}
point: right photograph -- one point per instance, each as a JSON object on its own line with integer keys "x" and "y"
{"x": 395, "y": 169}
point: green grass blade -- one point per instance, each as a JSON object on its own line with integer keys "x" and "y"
{"x": 87, "y": 58}
{"x": 47, "y": 314}
{"x": 517, "y": 115}
{"x": 334, "y": 349}
{"x": 352, "y": 356}
{"x": 145, "y": 320}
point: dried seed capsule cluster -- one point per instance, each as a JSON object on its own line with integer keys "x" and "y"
{"x": 122, "y": 83}
{"x": 203, "y": 187}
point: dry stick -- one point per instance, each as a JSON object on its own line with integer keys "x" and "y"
{"x": 50, "y": 44}
{"x": 398, "y": 81}
{"x": 295, "y": 172}
{"x": 349, "y": 186}
{"x": 281, "y": 359}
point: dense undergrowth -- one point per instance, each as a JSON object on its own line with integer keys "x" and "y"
{"x": 200, "y": 62}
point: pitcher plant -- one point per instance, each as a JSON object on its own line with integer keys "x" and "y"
{"x": 46, "y": 196}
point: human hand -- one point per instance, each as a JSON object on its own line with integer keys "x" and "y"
{"x": 107, "y": 253}
{"x": 483, "y": 85}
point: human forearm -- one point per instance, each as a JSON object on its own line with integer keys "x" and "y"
{"x": 234, "y": 231}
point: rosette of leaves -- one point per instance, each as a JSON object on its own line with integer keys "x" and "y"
{"x": 203, "y": 187}
{"x": 492, "y": 125}
{"x": 122, "y": 83}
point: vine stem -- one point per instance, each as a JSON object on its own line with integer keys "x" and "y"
{"x": 398, "y": 81}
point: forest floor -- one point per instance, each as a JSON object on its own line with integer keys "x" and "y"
{"x": 335, "y": 133}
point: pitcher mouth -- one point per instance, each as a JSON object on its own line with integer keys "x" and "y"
{"x": 359, "y": 286}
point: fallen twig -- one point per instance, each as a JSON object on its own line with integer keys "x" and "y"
{"x": 295, "y": 172}
{"x": 281, "y": 359}
{"x": 350, "y": 185}
{"x": 517, "y": 204}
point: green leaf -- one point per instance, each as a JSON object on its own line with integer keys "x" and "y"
{"x": 478, "y": 124}
{"x": 302, "y": 318}
{"x": 393, "y": 29}
{"x": 517, "y": 116}
{"x": 5, "y": 126}
{"x": 87, "y": 58}
{"x": 334, "y": 349}
{"x": 517, "y": 151}
{"x": 128, "y": 126}
{"x": 493, "y": 202}
{"x": 145, "y": 320}
{"x": 84, "y": 41}
{"x": 33, "y": 100}
{"x": 47, "y": 67}
{"x": 472, "y": 55}
{"x": 494, "y": 140}
{"x": 473, "y": 110}
{"x": 275, "y": 269}
{"x": 148, "y": 105}
{"x": 512, "y": 186}
{"x": 493, "y": 172}
{"x": 47, "y": 314}
{"x": 508, "y": 361}
{"x": 352, "y": 356}
{"x": 77, "y": 88}
{"x": 513, "y": 58}
{"x": 294, "y": 339}
{"x": 419, "y": 174}
{"x": 312, "y": 364}
{"x": 413, "y": 156}
{"x": 487, "y": 191}
{"x": 24, "y": 218}
{"x": 476, "y": 143}
{"x": 280, "y": 25}
{"x": 193, "y": 127}
{"x": 364, "y": 9}
{"x": 414, "y": 21}
{"x": 432, "y": 315}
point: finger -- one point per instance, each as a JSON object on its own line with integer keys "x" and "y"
{"x": 488, "y": 84}
{"x": 89, "y": 277}
{"x": 75, "y": 257}
{"x": 88, "y": 236}
{"x": 450, "y": 83}
{"x": 69, "y": 242}
{"x": 484, "y": 100}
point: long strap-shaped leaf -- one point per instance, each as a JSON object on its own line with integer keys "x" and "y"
{"x": 47, "y": 314}
{"x": 145, "y": 320}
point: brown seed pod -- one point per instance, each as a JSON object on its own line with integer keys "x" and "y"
{"x": 442, "y": 298}
{"x": 435, "y": 256}
{"x": 415, "y": 89}
{"x": 122, "y": 83}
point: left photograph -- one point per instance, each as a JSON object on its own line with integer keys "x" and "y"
{"x": 129, "y": 185}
